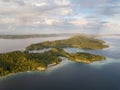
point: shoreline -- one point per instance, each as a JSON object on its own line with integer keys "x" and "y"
{"x": 40, "y": 70}
{"x": 44, "y": 69}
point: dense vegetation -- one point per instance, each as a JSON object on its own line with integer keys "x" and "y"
{"x": 85, "y": 57}
{"x": 23, "y": 61}
{"x": 75, "y": 42}
{"x": 18, "y": 61}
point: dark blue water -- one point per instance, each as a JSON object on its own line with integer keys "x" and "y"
{"x": 101, "y": 75}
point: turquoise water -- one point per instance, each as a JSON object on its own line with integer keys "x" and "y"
{"x": 100, "y": 75}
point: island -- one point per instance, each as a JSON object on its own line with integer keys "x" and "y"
{"x": 78, "y": 41}
{"x": 21, "y": 61}
{"x": 18, "y": 61}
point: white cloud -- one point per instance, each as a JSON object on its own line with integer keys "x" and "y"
{"x": 80, "y": 22}
{"x": 60, "y": 14}
{"x": 62, "y": 2}
{"x": 66, "y": 11}
{"x": 34, "y": 12}
{"x": 52, "y": 21}
{"x": 9, "y": 21}
{"x": 40, "y": 4}
{"x": 111, "y": 28}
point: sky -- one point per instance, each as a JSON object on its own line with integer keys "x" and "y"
{"x": 59, "y": 16}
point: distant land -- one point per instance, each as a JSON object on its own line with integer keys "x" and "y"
{"x": 35, "y": 36}
{"x": 6, "y": 36}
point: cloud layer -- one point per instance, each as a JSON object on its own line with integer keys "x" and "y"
{"x": 59, "y": 16}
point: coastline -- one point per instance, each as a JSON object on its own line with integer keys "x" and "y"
{"x": 39, "y": 70}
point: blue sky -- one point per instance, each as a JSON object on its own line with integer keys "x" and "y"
{"x": 59, "y": 16}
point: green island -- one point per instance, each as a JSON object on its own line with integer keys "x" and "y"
{"x": 18, "y": 61}
{"x": 79, "y": 41}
